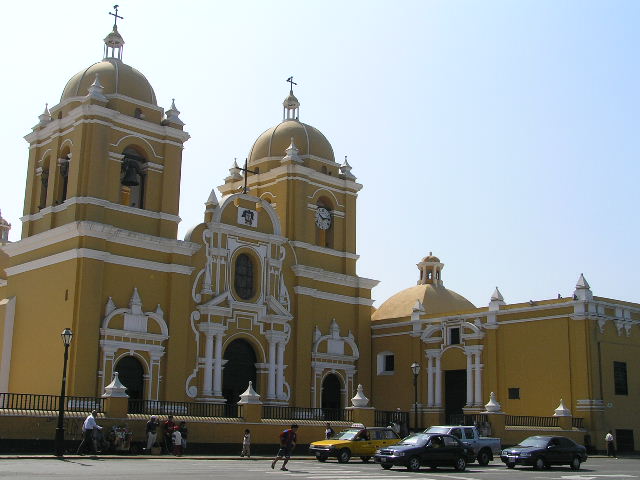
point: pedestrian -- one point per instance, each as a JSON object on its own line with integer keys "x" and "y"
{"x": 287, "y": 444}
{"x": 184, "y": 431}
{"x": 168, "y": 427}
{"x": 152, "y": 432}
{"x": 328, "y": 432}
{"x": 176, "y": 438}
{"x": 88, "y": 437}
{"x": 611, "y": 446}
{"x": 246, "y": 444}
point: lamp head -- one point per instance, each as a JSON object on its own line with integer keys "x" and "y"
{"x": 415, "y": 368}
{"x": 66, "y": 335}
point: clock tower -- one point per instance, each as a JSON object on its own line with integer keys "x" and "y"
{"x": 295, "y": 171}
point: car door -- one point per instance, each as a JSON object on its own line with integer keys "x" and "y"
{"x": 362, "y": 444}
{"x": 436, "y": 451}
{"x": 553, "y": 454}
{"x": 452, "y": 449}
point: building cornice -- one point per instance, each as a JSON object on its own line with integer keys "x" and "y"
{"x": 101, "y": 203}
{"x": 103, "y": 232}
{"x": 324, "y": 250}
{"x": 326, "y": 276}
{"x": 312, "y": 292}
{"x": 78, "y": 253}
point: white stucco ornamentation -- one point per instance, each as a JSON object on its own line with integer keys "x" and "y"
{"x": 115, "y": 388}
{"x": 360, "y": 400}
{"x": 249, "y": 396}
{"x": 493, "y": 406}
{"x": 562, "y": 410}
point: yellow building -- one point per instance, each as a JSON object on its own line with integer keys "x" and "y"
{"x": 577, "y": 351}
{"x": 265, "y": 289}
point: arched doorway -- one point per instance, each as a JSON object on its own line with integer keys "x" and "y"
{"x": 239, "y": 370}
{"x": 331, "y": 397}
{"x": 131, "y": 375}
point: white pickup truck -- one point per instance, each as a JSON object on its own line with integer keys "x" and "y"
{"x": 484, "y": 448}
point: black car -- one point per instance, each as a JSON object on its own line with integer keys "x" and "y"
{"x": 543, "y": 451}
{"x": 431, "y": 449}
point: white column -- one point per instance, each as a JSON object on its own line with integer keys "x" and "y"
{"x": 469, "y": 380}
{"x": 217, "y": 371}
{"x": 208, "y": 364}
{"x": 438, "y": 399}
{"x": 430, "y": 372}
{"x": 478, "y": 377}
{"x": 271, "y": 382}
{"x": 280, "y": 370}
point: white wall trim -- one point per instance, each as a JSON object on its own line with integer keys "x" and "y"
{"x": 78, "y": 253}
{"x": 334, "y": 278}
{"x": 3, "y": 282}
{"x": 103, "y": 232}
{"x": 312, "y": 292}
{"x": 101, "y": 203}
{"x": 327, "y": 251}
{"x": 7, "y": 342}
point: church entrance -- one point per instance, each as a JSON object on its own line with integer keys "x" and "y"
{"x": 331, "y": 397}
{"x": 131, "y": 375}
{"x": 455, "y": 395}
{"x": 239, "y": 370}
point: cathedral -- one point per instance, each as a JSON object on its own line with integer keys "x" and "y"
{"x": 265, "y": 289}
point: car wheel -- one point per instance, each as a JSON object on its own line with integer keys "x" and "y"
{"x": 538, "y": 464}
{"x": 413, "y": 464}
{"x": 386, "y": 466}
{"x": 460, "y": 464}
{"x": 344, "y": 455}
{"x": 575, "y": 463}
{"x": 365, "y": 459}
{"x": 511, "y": 465}
{"x": 483, "y": 458}
{"x": 321, "y": 458}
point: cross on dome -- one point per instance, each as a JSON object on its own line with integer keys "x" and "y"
{"x": 114, "y": 40}
{"x": 291, "y": 104}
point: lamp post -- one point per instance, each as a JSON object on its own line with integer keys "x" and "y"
{"x": 415, "y": 368}
{"x": 66, "y": 335}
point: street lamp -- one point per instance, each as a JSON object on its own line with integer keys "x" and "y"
{"x": 66, "y": 335}
{"x": 415, "y": 368}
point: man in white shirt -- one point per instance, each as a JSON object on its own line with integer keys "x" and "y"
{"x": 88, "y": 438}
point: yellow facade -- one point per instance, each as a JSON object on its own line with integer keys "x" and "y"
{"x": 265, "y": 289}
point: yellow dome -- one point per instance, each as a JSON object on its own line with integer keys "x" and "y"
{"x": 115, "y": 77}
{"x": 274, "y": 142}
{"x": 433, "y": 299}
{"x": 431, "y": 258}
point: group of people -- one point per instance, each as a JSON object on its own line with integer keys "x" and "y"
{"x": 174, "y": 436}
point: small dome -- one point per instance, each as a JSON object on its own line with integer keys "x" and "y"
{"x": 431, "y": 258}
{"x": 275, "y": 141}
{"x": 115, "y": 77}
{"x": 433, "y": 299}
{"x": 291, "y": 102}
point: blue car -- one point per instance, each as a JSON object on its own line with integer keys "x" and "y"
{"x": 543, "y": 451}
{"x": 424, "y": 449}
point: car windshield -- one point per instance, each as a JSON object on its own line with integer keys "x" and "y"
{"x": 345, "y": 435}
{"x": 417, "y": 440}
{"x": 534, "y": 442}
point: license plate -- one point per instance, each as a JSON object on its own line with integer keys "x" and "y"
{"x": 512, "y": 457}
{"x": 383, "y": 459}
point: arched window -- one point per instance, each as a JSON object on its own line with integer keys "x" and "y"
{"x": 244, "y": 284}
{"x": 44, "y": 185}
{"x": 63, "y": 178}
{"x": 132, "y": 178}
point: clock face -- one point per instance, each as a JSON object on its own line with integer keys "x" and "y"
{"x": 323, "y": 218}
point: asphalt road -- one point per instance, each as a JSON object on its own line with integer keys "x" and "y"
{"x": 259, "y": 469}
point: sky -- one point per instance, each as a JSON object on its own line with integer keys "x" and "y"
{"x": 500, "y": 135}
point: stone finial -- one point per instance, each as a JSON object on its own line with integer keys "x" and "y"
{"x": 360, "y": 400}
{"x": 234, "y": 172}
{"x": 249, "y": 396}
{"x": 173, "y": 114}
{"x": 345, "y": 170}
{"x": 583, "y": 290}
{"x": 96, "y": 89}
{"x": 44, "y": 117}
{"x": 496, "y": 301}
{"x": 135, "y": 303}
{"x": 493, "y": 406}
{"x": 109, "y": 307}
{"x": 562, "y": 410}
{"x": 115, "y": 388}
{"x": 418, "y": 307}
{"x": 212, "y": 201}
{"x": 292, "y": 153}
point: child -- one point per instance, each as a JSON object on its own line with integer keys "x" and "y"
{"x": 246, "y": 444}
{"x": 176, "y": 436}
